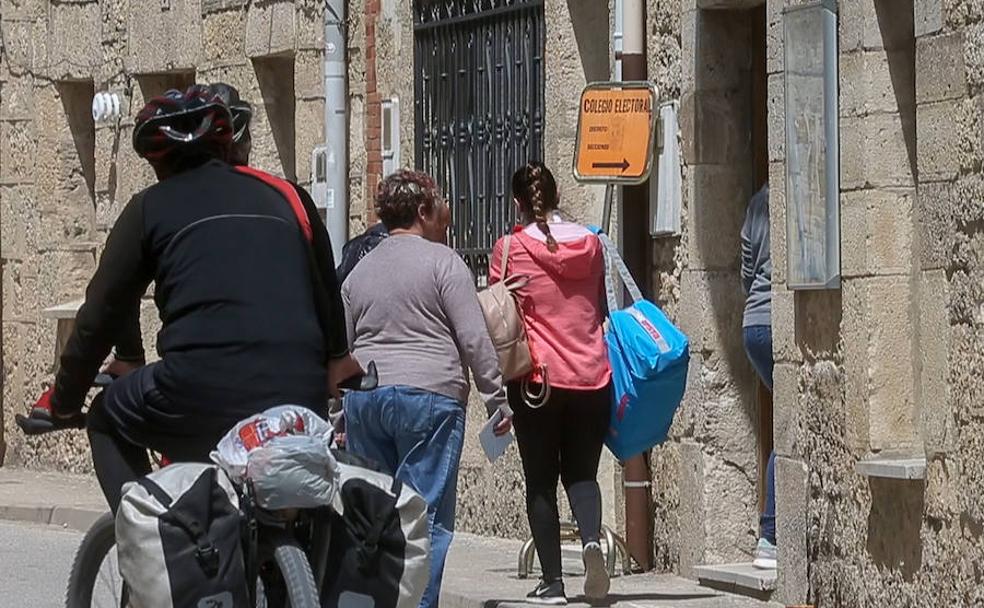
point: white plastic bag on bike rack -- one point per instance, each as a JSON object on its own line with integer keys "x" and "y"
{"x": 293, "y": 472}
{"x": 232, "y": 453}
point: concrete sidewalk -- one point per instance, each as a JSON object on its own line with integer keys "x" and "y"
{"x": 70, "y": 501}
{"x": 480, "y": 572}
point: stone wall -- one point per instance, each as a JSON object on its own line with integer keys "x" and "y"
{"x": 892, "y": 542}
{"x": 64, "y": 180}
{"x": 380, "y": 50}
{"x": 877, "y": 367}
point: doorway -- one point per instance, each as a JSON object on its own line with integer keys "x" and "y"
{"x": 730, "y": 162}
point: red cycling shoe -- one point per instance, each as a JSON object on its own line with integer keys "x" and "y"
{"x": 42, "y": 419}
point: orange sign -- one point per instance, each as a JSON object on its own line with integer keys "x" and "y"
{"x": 615, "y": 132}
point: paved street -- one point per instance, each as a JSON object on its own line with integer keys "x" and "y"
{"x": 34, "y": 563}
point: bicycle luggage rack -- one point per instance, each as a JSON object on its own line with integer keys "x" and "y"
{"x": 614, "y": 548}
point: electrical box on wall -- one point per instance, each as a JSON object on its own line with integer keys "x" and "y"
{"x": 324, "y": 198}
{"x": 390, "y": 136}
{"x": 666, "y": 181}
{"x": 812, "y": 138}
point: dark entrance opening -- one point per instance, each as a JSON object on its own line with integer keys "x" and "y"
{"x": 731, "y": 163}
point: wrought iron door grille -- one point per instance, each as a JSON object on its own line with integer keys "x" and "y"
{"x": 479, "y": 108}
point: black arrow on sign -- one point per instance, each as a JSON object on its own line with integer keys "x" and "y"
{"x": 623, "y": 165}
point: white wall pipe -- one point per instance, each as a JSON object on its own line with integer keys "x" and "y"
{"x": 633, "y": 27}
{"x": 336, "y": 125}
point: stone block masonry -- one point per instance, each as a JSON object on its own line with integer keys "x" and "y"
{"x": 63, "y": 180}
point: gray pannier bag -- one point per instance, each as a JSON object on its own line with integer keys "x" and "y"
{"x": 178, "y": 534}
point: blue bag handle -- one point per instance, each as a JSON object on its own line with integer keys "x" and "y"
{"x": 614, "y": 259}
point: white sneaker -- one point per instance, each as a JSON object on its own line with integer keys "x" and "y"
{"x": 596, "y": 582}
{"x": 766, "y": 555}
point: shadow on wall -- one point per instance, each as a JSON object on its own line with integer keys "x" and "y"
{"x": 723, "y": 173}
{"x": 818, "y": 322}
{"x": 894, "y": 525}
{"x": 152, "y": 85}
{"x": 590, "y": 23}
{"x": 275, "y": 75}
{"x": 896, "y": 22}
{"x": 76, "y": 98}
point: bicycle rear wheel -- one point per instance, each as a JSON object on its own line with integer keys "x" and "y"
{"x": 95, "y": 580}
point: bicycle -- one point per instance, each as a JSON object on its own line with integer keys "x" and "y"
{"x": 276, "y": 549}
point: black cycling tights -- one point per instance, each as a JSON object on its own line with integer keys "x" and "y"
{"x": 561, "y": 440}
{"x": 116, "y": 460}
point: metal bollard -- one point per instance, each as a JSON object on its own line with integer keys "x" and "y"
{"x": 614, "y": 548}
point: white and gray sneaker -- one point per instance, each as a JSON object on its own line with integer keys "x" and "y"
{"x": 766, "y": 555}
{"x": 548, "y": 594}
{"x": 596, "y": 582}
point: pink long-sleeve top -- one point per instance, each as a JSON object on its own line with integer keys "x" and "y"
{"x": 562, "y": 303}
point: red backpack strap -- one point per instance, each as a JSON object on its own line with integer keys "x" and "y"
{"x": 286, "y": 189}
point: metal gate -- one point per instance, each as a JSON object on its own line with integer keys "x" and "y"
{"x": 479, "y": 108}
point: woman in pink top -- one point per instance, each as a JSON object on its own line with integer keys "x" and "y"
{"x": 563, "y": 311}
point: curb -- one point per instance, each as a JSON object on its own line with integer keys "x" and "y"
{"x": 73, "y": 518}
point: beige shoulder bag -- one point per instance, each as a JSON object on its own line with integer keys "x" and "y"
{"x": 504, "y": 319}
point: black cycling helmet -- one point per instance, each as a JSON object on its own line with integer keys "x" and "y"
{"x": 242, "y": 112}
{"x": 178, "y": 127}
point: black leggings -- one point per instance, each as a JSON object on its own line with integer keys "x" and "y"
{"x": 561, "y": 440}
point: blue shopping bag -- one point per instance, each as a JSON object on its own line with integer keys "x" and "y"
{"x": 649, "y": 357}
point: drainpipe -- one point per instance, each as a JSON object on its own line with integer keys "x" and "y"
{"x": 635, "y": 245}
{"x": 336, "y": 125}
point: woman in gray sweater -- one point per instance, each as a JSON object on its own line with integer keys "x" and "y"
{"x": 411, "y": 307}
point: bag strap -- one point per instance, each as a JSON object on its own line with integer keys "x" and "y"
{"x": 206, "y": 552}
{"x": 505, "y": 254}
{"x": 614, "y": 259}
{"x": 155, "y": 491}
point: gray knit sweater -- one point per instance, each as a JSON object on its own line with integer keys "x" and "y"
{"x": 411, "y": 307}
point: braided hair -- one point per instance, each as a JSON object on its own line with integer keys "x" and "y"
{"x": 534, "y": 186}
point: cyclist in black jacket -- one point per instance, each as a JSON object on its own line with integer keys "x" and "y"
{"x": 251, "y": 318}
{"x": 128, "y": 354}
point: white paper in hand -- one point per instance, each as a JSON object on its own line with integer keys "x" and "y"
{"x": 494, "y": 446}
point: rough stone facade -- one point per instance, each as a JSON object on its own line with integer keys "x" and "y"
{"x": 882, "y": 366}
{"x": 889, "y": 363}
{"x": 64, "y": 179}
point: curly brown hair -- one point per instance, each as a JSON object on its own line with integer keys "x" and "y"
{"x": 401, "y": 194}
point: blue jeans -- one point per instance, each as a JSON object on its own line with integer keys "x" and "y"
{"x": 416, "y": 436}
{"x": 758, "y": 345}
